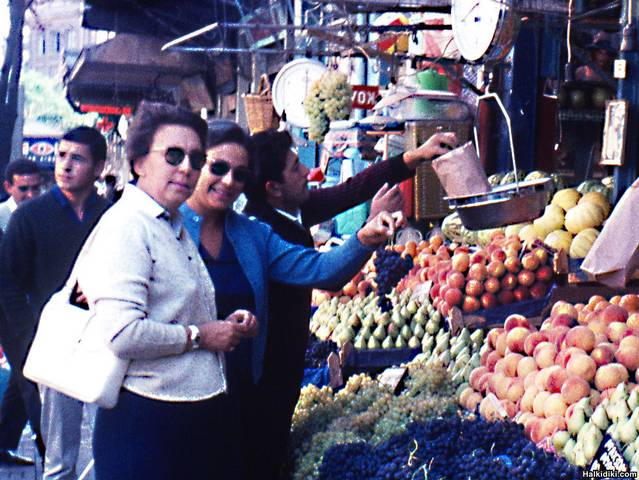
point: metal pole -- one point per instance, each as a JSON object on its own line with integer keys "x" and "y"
{"x": 628, "y": 88}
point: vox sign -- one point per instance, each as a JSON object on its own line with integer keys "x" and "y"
{"x": 364, "y": 97}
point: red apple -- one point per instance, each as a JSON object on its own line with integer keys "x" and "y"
{"x": 512, "y": 264}
{"x": 526, "y": 278}
{"x": 496, "y": 269}
{"x": 460, "y": 262}
{"x": 470, "y": 304}
{"x": 544, "y": 274}
{"x": 455, "y": 279}
{"x": 478, "y": 257}
{"x": 521, "y": 293}
{"x": 434, "y": 291}
{"x": 477, "y": 271}
{"x": 508, "y": 281}
{"x": 492, "y": 285}
{"x": 505, "y": 297}
{"x": 453, "y": 296}
{"x": 498, "y": 254}
{"x": 541, "y": 254}
{"x": 516, "y": 320}
{"x": 488, "y": 301}
{"x": 474, "y": 288}
{"x": 530, "y": 261}
{"x": 538, "y": 290}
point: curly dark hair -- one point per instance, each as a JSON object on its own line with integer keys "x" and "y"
{"x": 270, "y": 152}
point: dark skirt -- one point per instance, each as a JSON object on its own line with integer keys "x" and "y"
{"x": 149, "y": 439}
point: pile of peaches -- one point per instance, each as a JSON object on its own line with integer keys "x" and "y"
{"x": 538, "y": 376}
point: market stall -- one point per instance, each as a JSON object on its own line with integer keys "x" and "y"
{"x": 475, "y": 345}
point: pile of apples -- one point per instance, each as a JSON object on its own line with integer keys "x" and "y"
{"x": 552, "y": 379}
{"x": 495, "y": 275}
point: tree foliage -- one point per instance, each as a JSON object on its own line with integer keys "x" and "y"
{"x": 45, "y": 102}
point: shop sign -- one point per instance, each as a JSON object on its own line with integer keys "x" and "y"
{"x": 364, "y": 96}
{"x": 106, "y": 109}
{"x": 39, "y": 149}
{"x": 392, "y": 377}
{"x": 608, "y": 458}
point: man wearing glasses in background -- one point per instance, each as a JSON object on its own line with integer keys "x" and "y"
{"x": 20, "y": 401}
{"x": 39, "y": 248}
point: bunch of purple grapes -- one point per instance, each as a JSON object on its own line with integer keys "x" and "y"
{"x": 390, "y": 268}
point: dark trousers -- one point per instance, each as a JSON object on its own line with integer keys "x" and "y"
{"x": 275, "y": 398}
{"x": 21, "y": 401}
{"x": 149, "y": 439}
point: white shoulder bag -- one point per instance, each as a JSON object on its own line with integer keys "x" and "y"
{"x": 70, "y": 353}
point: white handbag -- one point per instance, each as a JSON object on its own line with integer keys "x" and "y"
{"x": 70, "y": 353}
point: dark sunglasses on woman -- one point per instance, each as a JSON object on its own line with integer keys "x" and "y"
{"x": 174, "y": 156}
{"x": 220, "y": 168}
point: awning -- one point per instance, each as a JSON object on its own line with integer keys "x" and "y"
{"x": 128, "y": 68}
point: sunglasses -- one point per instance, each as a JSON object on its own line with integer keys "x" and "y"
{"x": 174, "y": 156}
{"x": 222, "y": 167}
{"x": 32, "y": 188}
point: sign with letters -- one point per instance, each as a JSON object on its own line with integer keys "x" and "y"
{"x": 364, "y": 96}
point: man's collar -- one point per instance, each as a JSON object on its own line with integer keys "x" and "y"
{"x": 297, "y": 218}
{"x": 11, "y": 204}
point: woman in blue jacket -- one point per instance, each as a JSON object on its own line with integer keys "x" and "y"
{"x": 242, "y": 253}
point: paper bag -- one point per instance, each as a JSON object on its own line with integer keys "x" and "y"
{"x": 613, "y": 257}
{"x": 461, "y": 173}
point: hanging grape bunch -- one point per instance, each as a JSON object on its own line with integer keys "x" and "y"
{"x": 328, "y": 99}
{"x": 390, "y": 268}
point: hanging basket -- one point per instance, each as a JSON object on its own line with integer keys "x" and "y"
{"x": 260, "y": 114}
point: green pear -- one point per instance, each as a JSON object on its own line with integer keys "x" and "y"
{"x": 360, "y": 343}
{"x": 388, "y": 343}
{"x": 379, "y": 333}
{"x": 427, "y": 343}
{"x": 373, "y": 343}
{"x": 419, "y": 331}
{"x": 406, "y": 332}
{"x": 400, "y": 342}
{"x": 414, "y": 342}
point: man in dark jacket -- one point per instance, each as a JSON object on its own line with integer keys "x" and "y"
{"x": 40, "y": 246}
{"x": 280, "y": 197}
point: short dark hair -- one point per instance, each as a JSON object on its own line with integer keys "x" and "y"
{"x": 226, "y": 131}
{"x": 91, "y": 138}
{"x": 270, "y": 150}
{"x": 148, "y": 118}
{"x": 22, "y": 166}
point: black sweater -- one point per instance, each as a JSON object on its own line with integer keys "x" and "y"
{"x": 38, "y": 250}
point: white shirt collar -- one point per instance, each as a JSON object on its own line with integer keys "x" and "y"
{"x": 297, "y": 218}
{"x": 146, "y": 204}
{"x": 11, "y": 204}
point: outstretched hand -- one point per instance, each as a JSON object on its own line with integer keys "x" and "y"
{"x": 387, "y": 199}
{"x": 382, "y": 227}
{"x": 437, "y": 144}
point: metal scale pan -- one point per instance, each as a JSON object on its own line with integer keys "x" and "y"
{"x": 516, "y": 202}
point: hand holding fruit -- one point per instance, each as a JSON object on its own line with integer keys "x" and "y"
{"x": 435, "y": 145}
{"x": 380, "y": 228}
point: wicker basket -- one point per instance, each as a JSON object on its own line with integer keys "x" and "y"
{"x": 260, "y": 114}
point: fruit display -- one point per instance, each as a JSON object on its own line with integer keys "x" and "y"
{"x": 488, "y": 277}
{"x": 329, "y": 98}
{"x": 572, "y": 380}
{"x": 364, "y": 411}
{"x": 453, "y": 447}
{"x": 571, "y": 222}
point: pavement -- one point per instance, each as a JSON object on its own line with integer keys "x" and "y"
{"x": 27, "y": 447}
